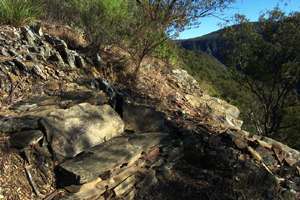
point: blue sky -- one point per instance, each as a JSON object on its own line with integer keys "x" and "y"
{"x": 251, "y": 8}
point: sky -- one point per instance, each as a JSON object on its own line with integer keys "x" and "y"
{"x": 251, "y": 8}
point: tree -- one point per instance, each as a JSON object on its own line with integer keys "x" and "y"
{"x": 267, "y": 58}
{"x": 137, "y": 26}
{"x": 155, "y": 21}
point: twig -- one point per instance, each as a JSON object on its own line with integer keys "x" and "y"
{"x": 32, "y": 183}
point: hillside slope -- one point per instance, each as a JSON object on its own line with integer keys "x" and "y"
{"x": 71, "y": 128}
{"x": 211, "y": 44}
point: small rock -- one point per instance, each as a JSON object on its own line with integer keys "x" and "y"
{"x": 79, "y": 61}
{"x": 38, "y": 29}
{"x": 24, "y": 139}
{"x": 56, "y": 42}
{"x": 125, "y": 186}
{"x": 240, "y": 143}
{"x": 22, "y": 67}
{"x": 13, "y": 53}
{"x": 98, "y": 61}
{"x": 56, "y": 57}
{"x": 18, "y": 124}
{"x": 28, "y": 35}
{"x": 37, "y": 70}
{"x": 4, "y": 52}
{"x": 29, "y": 57}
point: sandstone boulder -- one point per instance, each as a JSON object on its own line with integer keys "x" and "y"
{"x": 71, "y": 131}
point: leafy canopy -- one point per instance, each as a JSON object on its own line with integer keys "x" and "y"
{"x": 267, "y": 57}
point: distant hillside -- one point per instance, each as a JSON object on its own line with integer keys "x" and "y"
{"x": 211, "y": 43}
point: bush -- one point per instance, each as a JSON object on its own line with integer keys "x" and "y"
{"x": 101, "y": 20}
{"x": 19, "y": 12}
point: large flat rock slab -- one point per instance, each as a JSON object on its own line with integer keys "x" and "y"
{"x": 71, "y": 131}
{"x": 102, "y": 158}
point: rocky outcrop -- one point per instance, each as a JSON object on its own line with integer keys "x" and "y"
{"x": 82, "y": 138}
{"x": 226, "y": 113}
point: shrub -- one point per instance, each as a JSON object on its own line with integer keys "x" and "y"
{"x": 19, "y": 12}
{"x": 101, "y": 20}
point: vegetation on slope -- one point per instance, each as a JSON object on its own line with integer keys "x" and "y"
{"x": 142, "y": 28}
{"x": 19, "y": 12}
{"x": 262, "y": 74}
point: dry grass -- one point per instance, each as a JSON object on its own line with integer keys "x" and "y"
{"x": 13, "y": 181}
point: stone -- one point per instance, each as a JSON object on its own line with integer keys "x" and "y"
{"x": 131, "y": 195}
{"x": 101, "y": 84}
{"x": 18, "y": 124}
{"x": 56, "y": 57}
{"x": 98, "y": 61}
{"x": 25, "y": 139}
{"x": 39, "y": 72}
{"x": 37, "y": 28}
{"x": 70, "y": 57}
{"x": 28, "y": 35}
{"x": 75, "y": 97}
{"x": 74, "y": 130}
{"x": 13, "y": 53}
{"x": 185, "y": 81}
{"x": 20, "y": 64}
{"x": 67, "y": 56}
{"x": 25, "y": 107}
{"x": 142, "y": 118}
{"x": 107, "y": 156}
{"x": 125, "y": 186}
{"x": 29, "y": 57}
{"x": 55, "y": 41}
{"x": 79, "y": 61}
{"x": 4, "y": 52}
{"x": 217, "y": 107}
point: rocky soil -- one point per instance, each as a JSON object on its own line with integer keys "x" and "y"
{"x": 68, "y": 130}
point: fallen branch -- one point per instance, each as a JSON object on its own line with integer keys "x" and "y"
{"x": 31, "y": 181}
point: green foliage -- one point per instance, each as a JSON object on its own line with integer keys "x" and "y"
{"x": 19, "y": 12}
{"x": 267, "y": 57}
{"x": 169, "y": 53}
{"x": 101, "y": 20}
{"x": 138, "y": 27}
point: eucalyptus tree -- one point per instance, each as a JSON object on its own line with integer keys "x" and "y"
{"x": 266, "y": 55}
{"x": 155, "y": 21}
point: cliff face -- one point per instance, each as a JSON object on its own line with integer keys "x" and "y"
{"x": 212, "y": 44}
{"x": 68, "y": 133}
